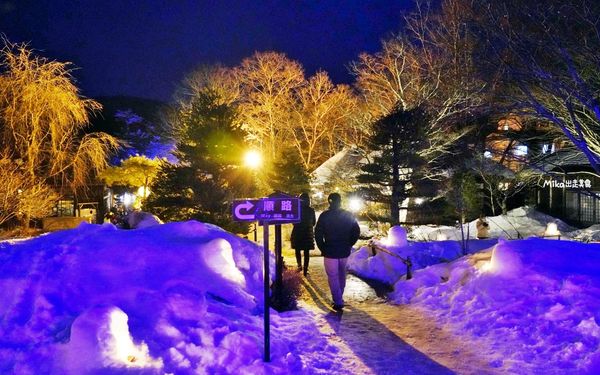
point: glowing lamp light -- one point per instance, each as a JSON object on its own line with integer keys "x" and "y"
{"x": 128, "y": 199}
{"x": 121, "y": 348}
{"x": 552, "y": 230}
{"x": 487, "y": 266}
{"x": 419, "y": 201}
{"x": 253, "y": 159}
{"x": 141, "y": 192}
{"x": 355, "y": 204}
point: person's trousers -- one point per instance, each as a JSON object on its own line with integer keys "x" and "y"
{"x": 336, "y": 276}
{"x": 306, "y": 258}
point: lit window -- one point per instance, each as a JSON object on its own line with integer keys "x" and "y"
{"x": 520, "y": 150}
{"x": 545, "y": 148}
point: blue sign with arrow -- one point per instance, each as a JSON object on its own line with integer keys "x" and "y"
{"x": 280, "y": 210}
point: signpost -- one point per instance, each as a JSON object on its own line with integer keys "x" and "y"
{"x": 279, "y": 209}
{"x": 276, "y": 209}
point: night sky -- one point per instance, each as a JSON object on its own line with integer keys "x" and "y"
{"x": 144, "y": 47}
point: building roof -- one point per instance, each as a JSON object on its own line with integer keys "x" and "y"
{"x": 563, "y": 159}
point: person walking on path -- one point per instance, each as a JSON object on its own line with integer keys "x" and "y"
{"x": 303, "y": 235}
{"x": 336, "y": 232}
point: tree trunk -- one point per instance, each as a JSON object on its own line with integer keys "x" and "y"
{"x": 26, "y": 221}
{"x": 395, "y": 201}
{"x": 492, "y": 205}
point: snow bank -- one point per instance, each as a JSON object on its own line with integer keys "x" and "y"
{"x": 522, "y": 222}
{"x": 533, "y": 305}
{"x": 141, "y": 219}
{"x": 590, "y": 234}
{"x": 182, "y": 298}
{"x": 367, "y": 262}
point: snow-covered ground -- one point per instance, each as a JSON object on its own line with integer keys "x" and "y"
{"x": 521, "y": 222}
{"x": 179, "y": 298}
{"x": 532, "y": 306}
{"x": 186, "y": 298}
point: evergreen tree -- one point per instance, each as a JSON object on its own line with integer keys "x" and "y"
{"x": 208, "y": 177}
{"x": 288, "y": 174}
{"x": 395, "y": 169}
{"x": 464, "y": 195}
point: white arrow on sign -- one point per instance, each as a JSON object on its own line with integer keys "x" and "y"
{"x": 247, "y": 207}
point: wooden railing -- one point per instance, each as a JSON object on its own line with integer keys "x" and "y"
{"x": 407, "y": 262}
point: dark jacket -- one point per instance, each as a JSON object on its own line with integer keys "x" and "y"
{"x": 303, "y": 235}
{"x": 336, "y": 231}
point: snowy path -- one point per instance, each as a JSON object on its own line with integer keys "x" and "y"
{"x": 378, "y": 338}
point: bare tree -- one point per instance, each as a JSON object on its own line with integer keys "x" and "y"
{"x": 389, "y": 77}
{"x": 323, "y": 114}
{"x": 20, "y": 196}
{"x": 10, "y": 184}
{"x": 267, "y": 81}
{"x": 550, "y": 52}
{"x": 429, "y": 65}
{"x": 502, "y": 183}
{"x": 216, "y": 78}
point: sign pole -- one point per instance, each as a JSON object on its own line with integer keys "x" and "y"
{"x": 278, "y": 260}
{"x": 267, "y": 357}
{"x": 278, "y": 208}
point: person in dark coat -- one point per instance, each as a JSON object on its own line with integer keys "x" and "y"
{"x": 336, "y": 232}
{"x": 303, "y": 236}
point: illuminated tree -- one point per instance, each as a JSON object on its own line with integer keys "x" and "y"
{"x": 218, "y": 79}
{"x": 389, "y": 77}
{"x": 20, "y": 196}
{"x": 429, "y": 65}
{"x": 268, "y": 81}
{"x": 136, "y": 171}
{"x": 42, "y": 117}
{"x": 322, "y": 116}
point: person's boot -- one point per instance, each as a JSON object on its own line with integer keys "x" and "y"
{"x": 305, "y": 266}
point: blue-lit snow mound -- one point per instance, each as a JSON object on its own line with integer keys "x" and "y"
{"x": 532, "y": 305}
{"x": 176, "y": 298}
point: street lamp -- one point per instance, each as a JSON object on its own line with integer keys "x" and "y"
{"x": 355, "y": 204}
{"x": 253, "y": 160}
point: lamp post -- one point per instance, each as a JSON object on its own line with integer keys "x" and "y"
{"x": 253, "y": 161}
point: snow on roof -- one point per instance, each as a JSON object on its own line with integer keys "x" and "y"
{"x": 563, "y": 158}
{"x": 341, "y": 165}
